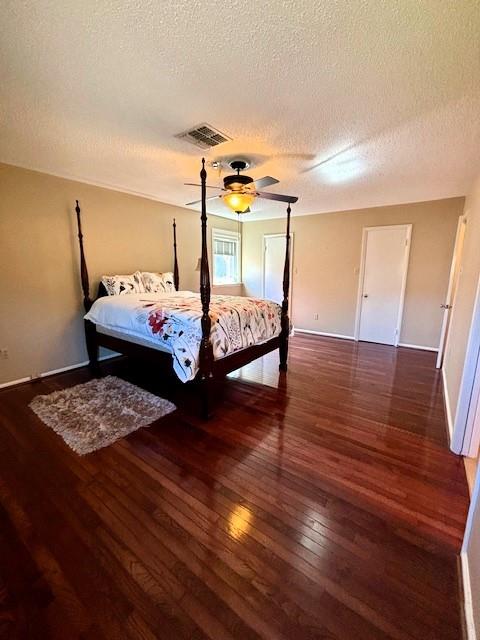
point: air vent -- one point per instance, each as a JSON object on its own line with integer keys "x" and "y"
{"x": 204, "y": 136}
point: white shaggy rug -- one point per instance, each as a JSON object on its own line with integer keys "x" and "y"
{"x": 93, "y": 415}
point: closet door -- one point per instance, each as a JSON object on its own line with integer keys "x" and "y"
{"x": 273, "y": 263}
{"x": 382, "y": 283}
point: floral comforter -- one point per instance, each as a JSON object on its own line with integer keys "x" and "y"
{"x": 174, "y": 321}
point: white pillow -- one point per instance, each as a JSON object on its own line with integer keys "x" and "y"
{"x": 121, "y": 285}
{"x": 158, "y": 282}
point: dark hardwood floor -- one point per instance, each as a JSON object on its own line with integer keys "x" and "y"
{"x": 320, "y": 504}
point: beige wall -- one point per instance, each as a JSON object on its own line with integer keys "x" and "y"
{"x": 327, "y": 250}
{"x": 40, "y": 301}
{"x": 464, "y": 299}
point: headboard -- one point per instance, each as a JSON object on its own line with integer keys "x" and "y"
{"x": 101, "y": 290}
{"x": 87, "y": 301}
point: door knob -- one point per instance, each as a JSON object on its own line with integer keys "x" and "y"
{"x": 365, "y": 295}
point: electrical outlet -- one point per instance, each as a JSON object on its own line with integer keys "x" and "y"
{"x": 315, "y": 316}
{"x": 4, "y": 354}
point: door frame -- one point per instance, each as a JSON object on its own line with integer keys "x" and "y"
{"x": 466, "y": 428}
{"x": 264, "y": 247}
{"x": 361, "y": 276}
{"x": 450, "y": 295}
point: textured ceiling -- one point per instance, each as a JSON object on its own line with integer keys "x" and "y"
{"x": 349, "y": 104}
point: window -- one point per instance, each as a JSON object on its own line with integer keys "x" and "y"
{"x": 226, "y": 246}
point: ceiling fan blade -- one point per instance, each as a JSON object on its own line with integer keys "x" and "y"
{"x": 276, "y": 196}
{"x": 267, "y": 181}
{"x": 198, "y": 201}
{"x": 209, "y": 186}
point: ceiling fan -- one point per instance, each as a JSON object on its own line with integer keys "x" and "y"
{"x": 241, "y": 190}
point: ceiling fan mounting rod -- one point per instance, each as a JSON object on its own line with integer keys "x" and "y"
{"x": 239, "y": 165}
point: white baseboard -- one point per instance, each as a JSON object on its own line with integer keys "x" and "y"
{"x": 417, "y": 346}
{"x": 12, "y": 383}
{"x": 345, "y": 337}
{"x": 448, "y": 409}
{"x": 467, "y": 598}
{"x": 323, "y": 333}
{"x": 45, "y": 374}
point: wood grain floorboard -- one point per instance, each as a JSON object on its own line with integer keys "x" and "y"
{"x": 321, "y": 504}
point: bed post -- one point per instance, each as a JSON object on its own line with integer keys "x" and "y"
{"x": 87, "y": 303}
{"x": 90, "y": 329}
{"x": 285, "y": 321}
{"x": 176, "y": 278}
{"x": 206, "y": 348}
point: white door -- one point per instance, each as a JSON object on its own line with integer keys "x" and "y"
{"x": 466, "y": 429}
{"x": 452, "y": 288}
{"x": 273, "y": 264}
{"x": 382, "y": 283}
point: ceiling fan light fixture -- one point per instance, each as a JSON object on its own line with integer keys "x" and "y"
{"x": 238, "y": 202}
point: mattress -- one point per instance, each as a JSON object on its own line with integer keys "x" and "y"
{"x": 129, "y": 337}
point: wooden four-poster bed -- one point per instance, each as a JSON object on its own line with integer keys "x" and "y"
{"x": 209, "y": 367}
